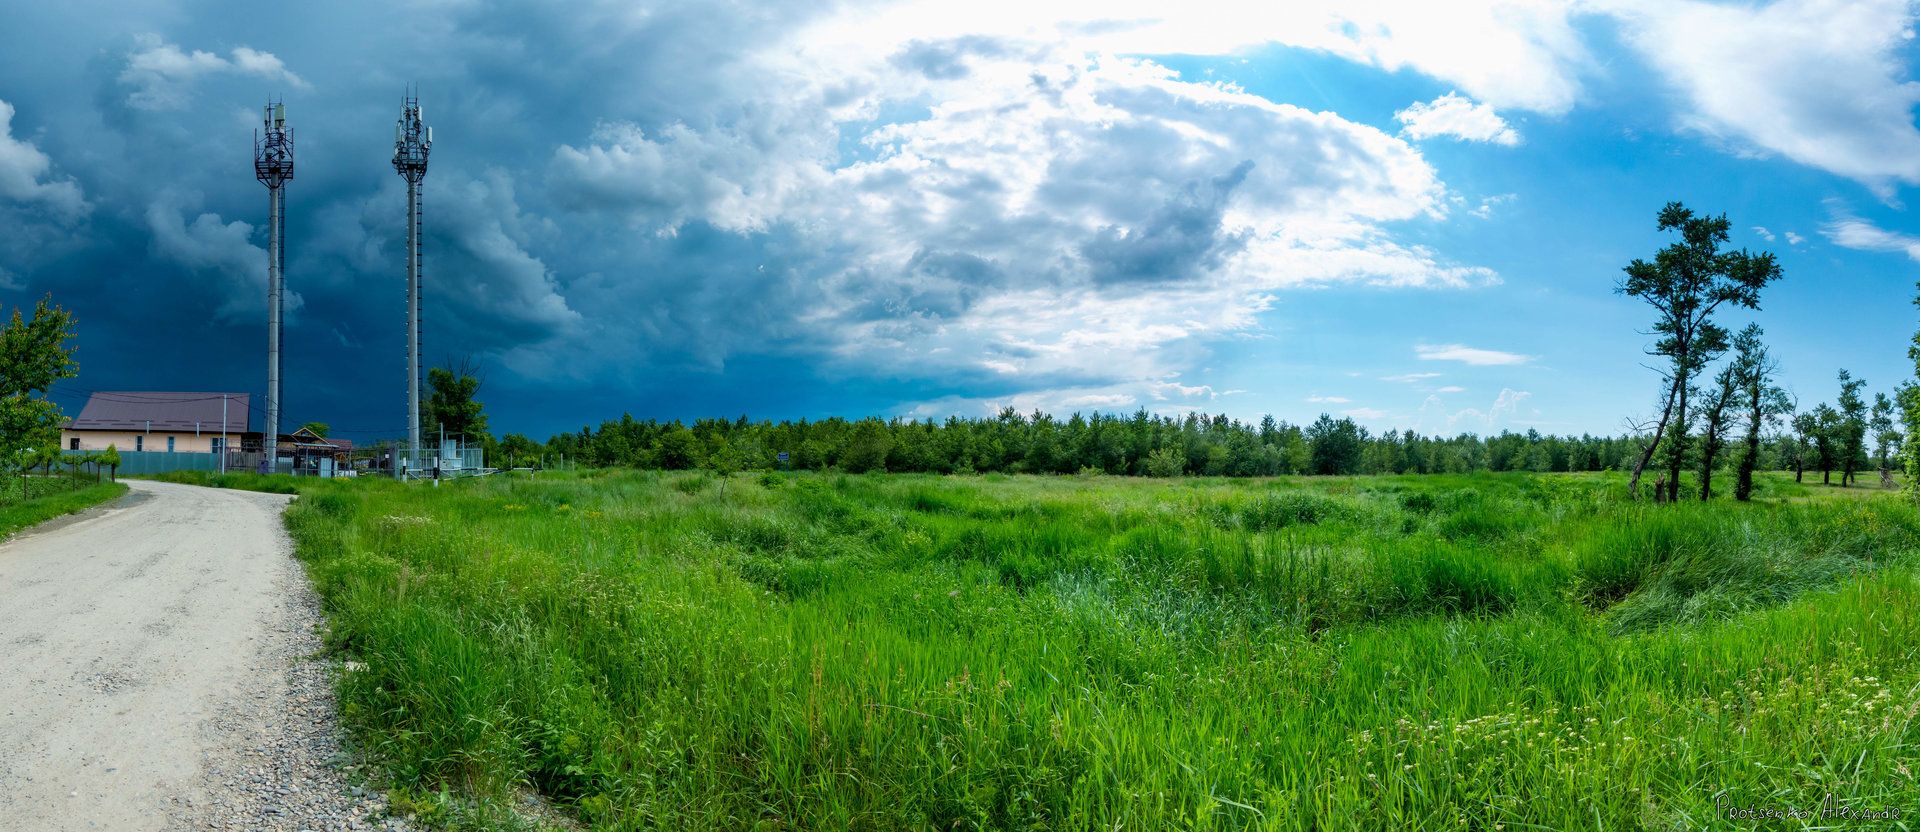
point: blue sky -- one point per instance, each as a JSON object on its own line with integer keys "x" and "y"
{"x": 1413, "y": 214}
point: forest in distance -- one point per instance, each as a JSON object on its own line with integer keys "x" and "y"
{"x": 1144, "y": 444}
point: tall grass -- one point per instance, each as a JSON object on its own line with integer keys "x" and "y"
{"x": 672, "y": 651}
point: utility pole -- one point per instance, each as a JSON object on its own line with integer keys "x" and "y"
{"x": 412, "y": 141}
{"x": 223, "y": 433}
{"x": 273, "y": 166}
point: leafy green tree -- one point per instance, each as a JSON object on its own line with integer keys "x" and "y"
{"x": 452, "y": 404}
{"x": 1762, "y": 403}
{"x": 1336, "y": 445}
{"x": 1716, "y": 410}
{"x": 318, "y": 428}
{"x": 111, "y": 458}
{"x": 725, "y": 460}
{"x": 34, "y": 353}
{"x": 517, "y": 448}
{"x": 1826, "y": 440}
{"x": 1851, "y": 429}
{"x": 1886, "y": 434}
{"x": 677, "y": 448}
{"x": 867, "y": 448}
{"x": 1166, "y": 462}
{"x": 1685, "y": 283}
{"x": 1806, "y": 434}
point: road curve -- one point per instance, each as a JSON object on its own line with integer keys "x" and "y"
{"x": 147, "y": 671}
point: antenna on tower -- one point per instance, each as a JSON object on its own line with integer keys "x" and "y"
{"x": 273, "y": 166}
{"x": 412, "y": 141}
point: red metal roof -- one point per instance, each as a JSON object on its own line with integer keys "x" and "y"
{"x": 163, "y": 411}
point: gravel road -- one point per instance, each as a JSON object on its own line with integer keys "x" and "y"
{"x": 157, "y": 673}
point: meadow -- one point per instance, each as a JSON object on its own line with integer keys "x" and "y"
{"x": 1502, "y": 651}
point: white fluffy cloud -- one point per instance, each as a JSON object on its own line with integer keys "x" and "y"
{"x": 159, "y": 75}
{"x": 1435, "y": 417}
{"x": 1854, "y": 233}
{"x": 1820, "y": 82}
{"x": 1468, "y": 355}
{"x": 1056, "y": 218}
{"x": 25, "y": 175}
{"x": 1458, "y": 117}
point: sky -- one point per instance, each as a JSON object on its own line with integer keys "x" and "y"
{"x": 1412, "y": 214}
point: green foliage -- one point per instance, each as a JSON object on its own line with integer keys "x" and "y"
{"x": 452, "y": 404}
{"x": 868, "y": 447}
{"x": 34, "y": 353}
{"x": 1040, "y": 444}
{"x": 1336, "y": 445}
{"x": 1166, "y": 462}
{"x": 1685, "y": 283}
{"x": 909, "y": 652}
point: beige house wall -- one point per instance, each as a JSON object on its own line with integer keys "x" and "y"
{"x": 183, "y": 441}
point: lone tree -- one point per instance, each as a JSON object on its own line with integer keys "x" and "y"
{"x": 33, "y": 355}
{"x": 1826, "y": 439}
{"x": 1686, "y": 282}
{"x": 1852, "y": 427}
{"x": 1760, "y": 401}
{"x": 1886, "y": 435}
{"x": 451, "y": 404}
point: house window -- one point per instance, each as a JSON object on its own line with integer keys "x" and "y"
{"x": 73, "y": 444}
{"x": 169, "y": 444}
{"x": 139, "y": 443}
{"x": 217, "y": 444}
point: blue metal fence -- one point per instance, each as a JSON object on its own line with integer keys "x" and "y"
{"x": 160, "y": 462}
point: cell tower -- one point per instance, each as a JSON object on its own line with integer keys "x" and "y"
{"x": 412, "y": 141}
{"x": 273, "y": 166}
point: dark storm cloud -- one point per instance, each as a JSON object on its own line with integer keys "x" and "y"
{"x": 627, "y": 199}
{"x": 126, "y": 190}
{"x": 1183, "y": 237}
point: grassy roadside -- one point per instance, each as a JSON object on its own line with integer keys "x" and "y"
{"x": 238, "y": 480}
{"x": 680, "y": 651}
{"x": 23, "y": 514}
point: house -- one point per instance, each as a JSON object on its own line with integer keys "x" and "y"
{"x": 316, "y": 454}
{"x": 144, "y": 421}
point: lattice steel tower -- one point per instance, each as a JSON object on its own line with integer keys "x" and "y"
{"x": 273, "y": 166}
{"x": 412, "y": 141}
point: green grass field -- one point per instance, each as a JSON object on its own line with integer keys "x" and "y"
{"x": 675, "y": 651}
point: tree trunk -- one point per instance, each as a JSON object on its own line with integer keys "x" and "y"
{"x": 1677, "y": 449}
{"x": 1659, "y": 433}
{"x": 1743, "y": 484}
